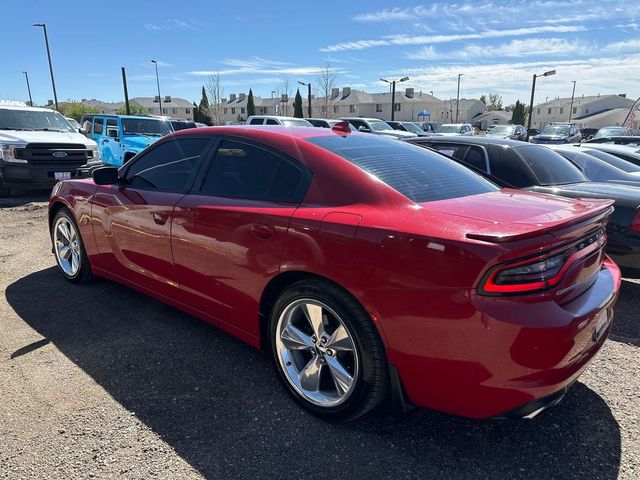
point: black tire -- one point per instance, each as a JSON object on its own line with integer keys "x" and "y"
{"x": 83, "y": 274}
{"x": 371, "y": 383}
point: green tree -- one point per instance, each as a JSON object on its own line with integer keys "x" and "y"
{"x": 251, "y": 106}
{"x": 75, "y": 109}
{"x": 517, "y": 117}
{"x": 297, "y": 105}
{"x": 204, "y": 112}
{"x": 483, "y": 99}
{"x": 134, "y": 109}
{"x": 495, "y": 102}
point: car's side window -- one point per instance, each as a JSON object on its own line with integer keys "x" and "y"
{"x": 475, "y": 157}
{"x": 256, "y": 121}
{"x": 271, "y": 121}
{"x": 507, "y": 166}
{"x": 170, "y": 166}
{"x": 240, "y": 170}
{"x": 98, "y": 125}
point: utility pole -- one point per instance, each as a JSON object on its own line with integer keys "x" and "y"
{"x": 308, "y": 85}
{"x": 458, "y": 97}
{"x": 26, "y": 76}
{"x": 126, "y": 93}
{"x": 572, "y": 95}
{"x": 533, "y": 91}
{"x": 158, "y": 82}
{"x": 392, "y": 84}
{"x": 46, "y": 42}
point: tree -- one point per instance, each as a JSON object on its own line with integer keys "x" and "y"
{"x": 517, "y": 118}
{"x": 323, "y": 87}
{"x": 495, "y": 102}
{"x": 216, "y": 107}
{"x": 251, "y": 106}
{"x": 483, "y": 99}
{"x": 75, "y": 109}
{"x": 203, "y": 109}
{"x": 134, "y": 109}
{"x": 297, "y": 105}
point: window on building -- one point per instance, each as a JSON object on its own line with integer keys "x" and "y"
{"x": 538, "y": 111}
{"x": 174, "y": 111}
{"x": 352, "y": 109}
{"x": 378, "y": 107}
{"x": 336, "y": 109}
{"x": 586, "y": 110}
{"x": 561, "y": 111}
{"x": 575, "y": 109}
{"x": 187, "y": 111}
{"x": 224, "y": 110}
{"x": 164, "y": 111}
{"x": 233, "y": 111}
{"x": 549, "y": 111}
{"x": 242, "y": 110}
{"x": 396, "y": 107}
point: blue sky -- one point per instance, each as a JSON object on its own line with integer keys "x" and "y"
{"x": 497, "y": 45}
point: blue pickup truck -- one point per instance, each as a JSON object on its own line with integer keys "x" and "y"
{"x": 120, "y": 137}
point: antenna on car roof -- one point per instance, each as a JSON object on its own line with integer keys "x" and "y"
{"x": 342, "y": 127}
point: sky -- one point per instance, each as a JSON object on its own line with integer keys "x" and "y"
{"x": 270, "y": 46}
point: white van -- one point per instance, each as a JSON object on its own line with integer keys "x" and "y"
{"x": 38, "y": 148}
{"x": 276, "y": 120}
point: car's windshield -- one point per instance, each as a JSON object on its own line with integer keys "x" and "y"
{"x": 417, "y": 173}
{"x": 412, "y": 128}
{"x": 613, "y": 160}
{"x": 549, "y": 167}
{"x": 608, "y": 132}
{"x": 296, "y": 123}
{"x": 11, "y": 119}
{"x": 502, "y": 130}
{"x": 379, "y": 125}
{"x": 449, "y": 129}
{"x": 555, "y": 130}
{"x": 145, "y": 126}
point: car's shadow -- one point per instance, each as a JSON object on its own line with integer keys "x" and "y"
{"x": 218, "y": 403}
{"x": 23, "y": 198}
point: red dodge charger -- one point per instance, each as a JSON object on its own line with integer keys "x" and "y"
{"x": 366, "y": 267}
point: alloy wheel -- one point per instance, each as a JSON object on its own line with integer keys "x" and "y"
{"x": 67, "y": 246}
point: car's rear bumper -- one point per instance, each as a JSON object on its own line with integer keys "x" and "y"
{"x": 508, "y": 357}
{"x": 26, "y": 176}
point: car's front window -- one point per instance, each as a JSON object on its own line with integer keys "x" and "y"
{"x": 608, "y": 132}
{"x": 11, "y": 119}
{"x": 145, "y": 126}
{"x": 412, "y": 128}
{"x": 549, "y": 167}
{"x": 449, "y": 129}
{"x": 296, "y": 123}
{"x": 556, "y": 130}
{"x": 502, "y": 130}
{"x": 379, "y": 126}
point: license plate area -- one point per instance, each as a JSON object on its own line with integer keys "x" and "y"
{"x": 62, "y": 175}
{"x": 602, "y": 321}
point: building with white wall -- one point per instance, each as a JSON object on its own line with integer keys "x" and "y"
{"x": 584, "y": 108}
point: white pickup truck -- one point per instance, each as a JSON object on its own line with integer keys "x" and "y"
{"x": 38, "y": 148}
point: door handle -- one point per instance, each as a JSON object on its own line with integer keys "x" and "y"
{"x": 160, "y": 217}
{"x": 104, "y": 140}
{"x": 263, "y": 231}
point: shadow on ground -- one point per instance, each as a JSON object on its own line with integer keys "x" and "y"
{"x": 218, "y": 402}
{"x": 23, "y": 198}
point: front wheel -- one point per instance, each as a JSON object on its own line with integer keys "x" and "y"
{"x": 327, "y": 351}
{"x": 68, "y": 248}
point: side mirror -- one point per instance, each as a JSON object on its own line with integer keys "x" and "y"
{"x": 113, "y": 133}
{"x": 82, "y": 131}
{"x": 105, "y": 176}
{"x": 364, "y": 129}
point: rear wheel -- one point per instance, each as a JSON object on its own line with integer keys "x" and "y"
{"x": 68, "y": 248}
{"x": 327, "y": 351}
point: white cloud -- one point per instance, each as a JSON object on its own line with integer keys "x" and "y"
{"x": 174, "y": 24}
{"x": 403, "y": 39}
{"x": 258, "y": 65}
{"x": 632, "y": 45}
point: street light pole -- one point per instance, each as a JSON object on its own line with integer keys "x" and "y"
{"x": 46, "y": 42}
{"x": 572, "y": 95}
{"x": 26, "y": 76}
{"x": 308, "y": 85}
{"x": 458, "y": 97}
{"x": 392, "y": 84}
{"x": 533, "y": 91}
{"x": 158, "y": 83}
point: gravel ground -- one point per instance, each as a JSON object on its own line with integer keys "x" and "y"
{"x": 102, "y": 382}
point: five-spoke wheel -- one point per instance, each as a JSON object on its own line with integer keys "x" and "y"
{"x": 68, "y": 248}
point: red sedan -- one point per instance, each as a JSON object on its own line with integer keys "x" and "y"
{"x": 366, "y": 267}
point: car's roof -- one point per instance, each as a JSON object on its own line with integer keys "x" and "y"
{"x": 366, "y": 119}
{"x": 278, "y": 117}
{"x": 140, "y": 117}
{"x": 477, "y": 139}
{"x": 266, "y": 130}
{"x": 24, "y": 107}
{"x": 614, "y": 147}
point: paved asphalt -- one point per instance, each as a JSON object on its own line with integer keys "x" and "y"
{"x": 99, "y": 381}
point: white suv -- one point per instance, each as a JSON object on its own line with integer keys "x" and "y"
{"x": 377, "y": 127}
{"x": 276, "y": 120}
{"x": 38, "y": 148}
{"x": 451, "y": 129}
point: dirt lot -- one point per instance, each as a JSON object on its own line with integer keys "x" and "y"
{"x": 99, "y": 381}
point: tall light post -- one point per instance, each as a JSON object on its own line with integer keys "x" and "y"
{"x": 308, "y": 85}
{"x": 458, "y": 97}
{"x": 46, "y": 42}
{"x": 572, "y": 95}
{"x": 393, "y": 93}
{"x": 158, "y": 83}
{"x": 533, "y": 91}
{"x": 26, "y": 76}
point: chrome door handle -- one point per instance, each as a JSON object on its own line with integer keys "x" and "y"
{"x": 160, "y": 217}
{"x": 263, "y": 231}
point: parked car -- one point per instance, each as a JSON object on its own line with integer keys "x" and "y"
{"x": 182, "y": 125}
{"x": 201, "y": 125}
{"x": 587, "y": 133}
{"x": 376, "y": 126}
{"x": 598, "y": 170}
{"x": 558, "y": 133}
{"x": 449, "y": 129}
{"x": 409, "y": 127}
{"x": 540, "y": 169}
{"x": 625, "y": 152}
{"x": 38, "y": 148}
{"x": 364, "y": 266}
{"x": 277, "y": 120}
{"x": 512, "y": 132}
{"x": 73, "y": 122}
{"x": 429, "y": 127}
{"x": 632, "y": 140}
{"x": 532, "y": 132}
{"x": 613, "y": 132}
{"x": 326, "y": 123}
{"x": 121, "y": 137}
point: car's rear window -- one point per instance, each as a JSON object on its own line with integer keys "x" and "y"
{"x": 549, "y": 167}
{"x": 417, "y": 173}
{"x": 613, "y": 160}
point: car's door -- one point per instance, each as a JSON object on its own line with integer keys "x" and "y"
{"x": 229, "y": 232}
{"x": 132, "y": 221}
{"x": 111, "y": 150}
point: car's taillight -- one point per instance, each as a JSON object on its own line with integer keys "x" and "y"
{"x": 635, "y": 224}
{"x": 539, "y": 273}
